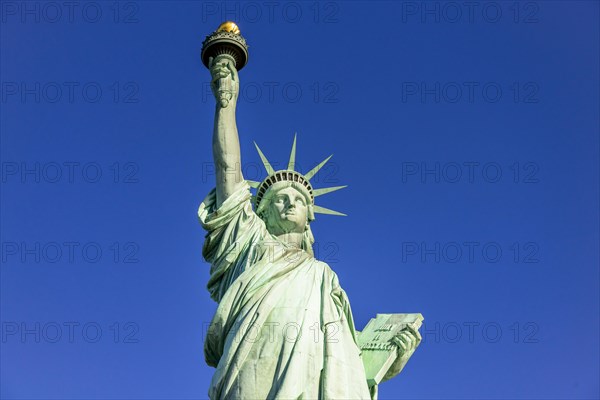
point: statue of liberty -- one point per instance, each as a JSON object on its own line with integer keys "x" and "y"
{"x": 283, "y": 328}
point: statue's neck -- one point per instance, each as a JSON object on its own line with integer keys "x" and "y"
{"x": 293, "y": 239}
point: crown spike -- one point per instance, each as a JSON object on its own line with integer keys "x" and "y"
{"x": 323, "y": 210}
{"x": 253, "y": 184}
{"x": 316, "y": 169}
{"x": 292, "y": 162}
{"x": 266, "y": 163}
{"x": 322, "y": 191}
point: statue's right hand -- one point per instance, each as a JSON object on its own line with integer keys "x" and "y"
{"x": 225, "y": 80}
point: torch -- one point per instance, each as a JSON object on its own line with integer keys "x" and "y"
{"x": 225, "y": 43}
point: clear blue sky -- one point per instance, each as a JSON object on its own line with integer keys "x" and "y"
{"x": 468, "y": 136}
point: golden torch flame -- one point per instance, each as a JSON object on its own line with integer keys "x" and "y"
{"x": 229, "y": 26}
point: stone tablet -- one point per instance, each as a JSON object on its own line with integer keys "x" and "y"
{"x": 375, "y": 342}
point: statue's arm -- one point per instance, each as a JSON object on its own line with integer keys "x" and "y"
{"x": 225, "y": 143}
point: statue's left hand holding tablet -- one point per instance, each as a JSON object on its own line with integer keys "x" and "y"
{"x": 407, "y": 341}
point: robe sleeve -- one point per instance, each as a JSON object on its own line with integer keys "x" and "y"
{"x": 232, "y": 229}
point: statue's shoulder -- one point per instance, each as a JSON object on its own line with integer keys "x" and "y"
{"x": 324, "y": 268}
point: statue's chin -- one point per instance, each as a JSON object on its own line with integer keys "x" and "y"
{"x": 286, "y": 224}
{"x": 282, "y": 229}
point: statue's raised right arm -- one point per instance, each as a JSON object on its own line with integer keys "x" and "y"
{"x": 226, "y": 143}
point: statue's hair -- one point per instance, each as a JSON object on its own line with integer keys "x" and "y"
{"x": 308, "y": 240}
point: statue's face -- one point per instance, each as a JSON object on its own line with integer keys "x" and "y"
{"x": 288, "y": 212}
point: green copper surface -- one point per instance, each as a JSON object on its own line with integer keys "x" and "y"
{"x": 283, "y": 327}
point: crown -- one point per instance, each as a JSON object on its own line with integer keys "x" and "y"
{"x": 300, "y": 181}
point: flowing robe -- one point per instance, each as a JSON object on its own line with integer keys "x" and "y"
{"x": 283, "y": 328}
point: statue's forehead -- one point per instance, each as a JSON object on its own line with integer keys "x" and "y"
{"x": 287, "y": 190}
